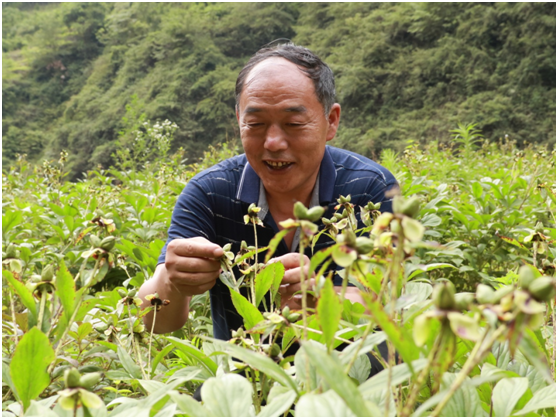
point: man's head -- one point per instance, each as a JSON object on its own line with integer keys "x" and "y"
{"x": 283, "y": 123}
{"x": 309, "y": 63}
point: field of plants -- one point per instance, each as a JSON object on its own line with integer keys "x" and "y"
{"x": 459, "y": 280}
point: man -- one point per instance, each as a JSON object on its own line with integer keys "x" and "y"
{"x": 286, "y": 111}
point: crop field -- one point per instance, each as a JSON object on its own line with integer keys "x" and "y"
{"x": 459, "y": 281}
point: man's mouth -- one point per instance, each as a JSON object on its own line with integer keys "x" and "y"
{"x": 278, "y": 164}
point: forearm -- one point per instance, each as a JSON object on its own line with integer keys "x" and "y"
{"x": 171, "y": 317}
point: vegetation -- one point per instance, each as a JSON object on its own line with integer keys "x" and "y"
{"x": 478, "y": 219}
{"x": 404, "y": 70}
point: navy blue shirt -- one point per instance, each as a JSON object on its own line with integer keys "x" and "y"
{"x": 214, "y": 202}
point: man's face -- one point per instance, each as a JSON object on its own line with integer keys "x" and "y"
{"x": 283, "y": 127}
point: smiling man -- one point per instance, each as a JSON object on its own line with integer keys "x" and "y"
{"x": 286, "y": 111}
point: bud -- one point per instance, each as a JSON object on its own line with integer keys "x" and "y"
{"x": 72, "y": 377}
{"x": 122, "y": 292}
{"x": 411, "y": 207}
{"x": 443, "y": 296}
{"x": 485, "y": 294}
{"x": 11, "y": 251}
{"x": 47, "y": 274}
{"x": 108, "y": 243}
{"x": 397, "y": 204}
{"x": 132, "y": 293}
{"x": 293, "y": 317}
{"x": 463, "y": 300}
{"x": 275, "y": 350}
{"x": 364, "y": 245}
{"x": 315, "y": 213}
{"x": 543, "y": 288}
{"x": 89, "y": 380}
{"x": 527, "y": 274}
{"x": 300, "y": 212}
{"x": 95, "y": 240}
{"x": 286, "y": 311}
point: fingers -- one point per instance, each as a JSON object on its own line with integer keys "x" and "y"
{"x": 290, "y": 260}
{"x": 195, "y": 247}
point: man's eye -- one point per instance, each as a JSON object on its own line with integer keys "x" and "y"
{"x": 254, "y": 124}
{"x": 294, "y": 124}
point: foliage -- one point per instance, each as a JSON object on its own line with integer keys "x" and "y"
{"x": 403, "y": 70}
{"x": 74, "y": 254}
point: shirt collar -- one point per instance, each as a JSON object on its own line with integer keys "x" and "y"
{"x": 249, "y": 187}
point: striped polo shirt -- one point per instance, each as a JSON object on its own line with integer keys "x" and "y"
{"x": 214, "y": 202}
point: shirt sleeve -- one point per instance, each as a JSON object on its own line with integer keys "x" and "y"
{"x": 192, "y": 216}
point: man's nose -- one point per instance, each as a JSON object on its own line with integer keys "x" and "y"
{"x": 275, "y": 139}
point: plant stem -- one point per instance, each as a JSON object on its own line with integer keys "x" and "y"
{"x": 303, "y": 288}
{"x": 360, "y": 345}
{"x": 477, "y": 355}
{"x": 150, "y": 341}
{"x": 345, "y": 282}
{"x": 252, "y": 283}
{"x": 134, "y": 343}
{"x": 12, "y": 309}
{"x": 42, "y": 310}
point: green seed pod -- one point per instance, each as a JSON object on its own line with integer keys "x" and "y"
{"x": 132, "y": 293}
{"x": 543, "y": 288}
{"x": 139, "y": 328}
{"x": 501, "y": 293}
{"x": 94, "y": 240}
{"x": 108, "y": 243}
{"x": 527, "y": 274}
{"x": 463, "y": 300}
{"x": 122, "y": 292}
{"x": 72, "y": 378}
{"x": 48, "y": 273}
{"x": 411, "y": 207}
{"x": 315, "y": 213}
{"x": 293, "y": 317}
{"x": 101, "y": 327}
{"x": 275, "y": 350}
{"x": 286, "y": 312}
{"x": 444, "y": 296}
{"x": 364, "y": 245}
{"x": 11, "y": 251}
{"x": 397, "y": 204}
{"x": 485, "y": 294}
{"x": 89, "y": 380}
{"x": 300, "y": 212}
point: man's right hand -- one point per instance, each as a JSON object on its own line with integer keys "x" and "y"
{"x": 193, "y": 265}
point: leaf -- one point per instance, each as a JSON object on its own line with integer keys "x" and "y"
{"x": 360, "y": 370}
{"x": 277, "y": 405}
{"x": 331, "y": 370}
{"x": 268, "y": 277}
{"x": 412, "y": 229}
{"x": 329, "y": 312}
{"x": 128, "y": 363}
{"x": 249, "y": 313}
{"x": 422, "y": 329}
{"x": 259, "y": 362}
{"x": 38, "y": 409}
{"x": 477, "y": 190}
{"x": 66, "y": 290}
{"x": 370, "y": 342}
{"x": 318, "y": 258}
{"x": 464, "y": 326}
{"x": 507, "y": 393}
{"x": 542, "y": 399}
{"x": 24, "y": 294}
{"x": 465, "y": 402}
{"x": 189, "y": 405}
{"x": 10, "y": 220}
{"x": 160, "y": 355}
{"x": 427, "y": 268}
{"x": 343, "y": 255}
{"x": 534, "y": 355}
{"x": 328, "y": 405}
{"x": 32, "y": 356}
{"x": 229, "y": 395}
{"x": 90, "y": 400}
{"x": 83, "y": 330}
{"x": 274, "y": 242}
{"x": 400, "y": 338}
{"x": 399, "y": 374}
{"x": 190, "y": 350}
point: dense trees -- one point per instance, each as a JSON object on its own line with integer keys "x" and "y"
{"x": 404, "y": 70}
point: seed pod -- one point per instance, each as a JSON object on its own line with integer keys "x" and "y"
{"x": 47, "y": 274}
{"x": 485, "y": 294}
{"x": 108, "y": 243}
{"x": 72, "y": 378}
{"x": 300, "y": 212}
{"x": 397, "y": 204}
{"x": 444, "y": 296}
{"x": 122, "y": 292}
{"x": 527, "y": 274}
{"x": 411, "y": 207}
{"x": 315, "y": 213}
{"x": 286, "y": 312}
{"x": 543, "y": 288}
{"x": 139, "y": 328}
{"x": 463, "y": 300}
{"x": 293, "y": 317}
{"x": 89, "y": 380}
{"x": 364, "y": 245}
{"x": 275, "y": 350}
{"x": 101, "y": 327}
{"x": 94, "y": 240}
{"x": 132, "y": 293}
{"x": 11, "y": 251}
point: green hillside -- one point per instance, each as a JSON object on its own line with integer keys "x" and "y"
{"x": 404, "y": 71}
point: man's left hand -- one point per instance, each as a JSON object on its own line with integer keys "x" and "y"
{"x": 291, "y": 281}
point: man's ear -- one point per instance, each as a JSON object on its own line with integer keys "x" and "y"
{"x": 333, "y": 120}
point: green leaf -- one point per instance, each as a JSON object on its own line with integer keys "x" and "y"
{"x": 83, "y": 330}
{"x": 542, "y": 399}
{"x": 259, "y": 362}
{"x": 360, "y": 370}
{"x": 190, "y": 350}
{"x": 399, "y": 374}
{"x": 422, "y": 329}
{"x": 229, "y": 395}
{"x": 507, "y": 393}
{"x": 268, "y": 277}
{"x": 465, "y": 402}
{"x": 274, "y": 242}
{"x": 534, "y": 355}
{"x": 331, "y": 370}
{"x": 32, "y": 356}
{"x": 328, "y": 404}
{"x": 343, "y": 255}
{"x": 464, "y": 326}
{"x": 38, "y": 409}
{"x": 249, "y": 313}
{"x": 189, "y": 405}
{"x": 318, "y": 258}
{"x": 412, "y": 229}
{"x": 329, "y": 312}
{"x": 128, "y": 363}
{"x": 24, "y": 294}
{"x": 277, "y": 405}
{"x": 477, "y": 190}
{"x": 160, "y": 355}
{"x": 90, "y": 400}
{"x": 65, "y": 290}
{"x": 10, "y": 220}
{"x": 418, "y": 269}
{"x": 400, "y": 338}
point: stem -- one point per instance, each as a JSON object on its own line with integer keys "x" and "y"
{"x": 303, "y": 288}
{"x": 252, "y": 283}
{"x": 345, "y": 282}
{"x": 12, "y": 309}
{"x": 150, "y": 341}
{"x": 477, "y": 355}
{"x": 391, "y": 362}
{"x": 134, "y": 343}
{"x": 319, "y": 332}
{"x": 42, "y": 310}
{"x": 360, "y": 345}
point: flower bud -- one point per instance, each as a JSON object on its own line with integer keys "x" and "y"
{"x": 527, "y": 274}
{"x": 443, "y": 296}
{"x": 108, "y": 243}
{"x": 315, "y": 213}
{"x": 543, "y": 288}
{"x": 47, "y": 274}
{"x": 11, "y": 251}
{"x": 72, "y": 378}
{"x": 300, "y": 212}
{"x": 89, "y": 380}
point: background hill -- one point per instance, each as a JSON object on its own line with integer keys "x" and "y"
{"x": 408, "y": 70}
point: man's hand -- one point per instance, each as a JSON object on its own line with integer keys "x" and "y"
{"x": 193, "y": 265}
{"x": 291, "y": 281}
